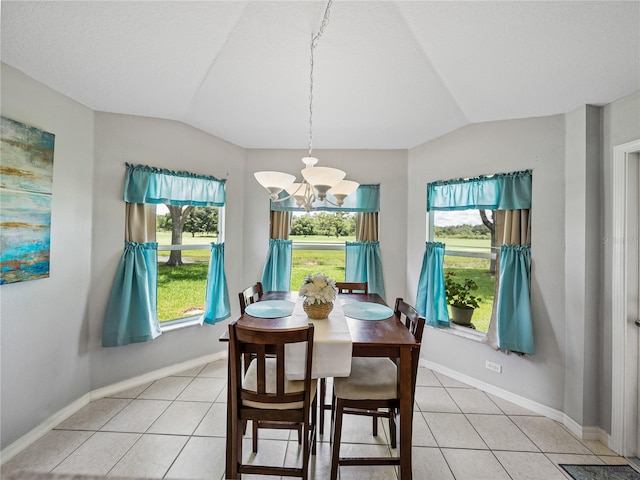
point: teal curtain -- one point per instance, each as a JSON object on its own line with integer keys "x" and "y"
{"x": 145, "y": 184}
{"x": 217, "y": 306}
{"x": 131, "y": 311}
{"x": 431, "y": 301}
{"x": 276, "y": 275}
{"x": 514, "y": 323}
{"x": 366, "y": 198}
{"x": 363, "y": 264}
{"x": 504, "y": 191}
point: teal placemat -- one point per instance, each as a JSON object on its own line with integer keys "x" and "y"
{"x": 270, "y": 309}
{"x": 366, "y": 310}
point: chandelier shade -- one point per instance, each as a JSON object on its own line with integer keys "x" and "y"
{"x": 316, "y": 181}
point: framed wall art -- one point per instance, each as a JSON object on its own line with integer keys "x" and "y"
{"x": 26, "y": 180}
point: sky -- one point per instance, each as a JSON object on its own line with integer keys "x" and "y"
{"x": 464, "y": 217}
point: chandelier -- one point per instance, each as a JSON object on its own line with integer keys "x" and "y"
{"x": 317, "y": 182}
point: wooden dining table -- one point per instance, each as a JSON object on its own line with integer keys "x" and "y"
{"x": 370, "y": 338}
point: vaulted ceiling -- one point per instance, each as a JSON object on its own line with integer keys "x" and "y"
{"x": 388, "y": 74}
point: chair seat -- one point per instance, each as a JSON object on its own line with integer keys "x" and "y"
{"x": 370, "y": 379}
{"x": 291, "y": 386}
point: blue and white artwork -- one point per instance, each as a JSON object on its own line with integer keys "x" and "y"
{"x": 26, "y": 179}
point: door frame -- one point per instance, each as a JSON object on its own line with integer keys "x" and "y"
{"x": 622, "y": 403}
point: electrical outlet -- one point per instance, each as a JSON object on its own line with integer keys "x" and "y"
{"x": 494, "y": 367}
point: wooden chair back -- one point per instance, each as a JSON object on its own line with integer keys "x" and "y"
{"x": 353, "y": 287}
{"x": 415, "y": 323}
{"x": 250, "y": 295}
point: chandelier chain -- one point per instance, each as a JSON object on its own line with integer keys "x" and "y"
{"x": 314, "y": 43}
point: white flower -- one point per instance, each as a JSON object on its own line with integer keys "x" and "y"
{"x": 318, "y": 288}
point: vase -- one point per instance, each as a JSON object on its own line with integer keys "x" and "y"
{"x": 318, "y": 311}
{"x": 462, "y": 315}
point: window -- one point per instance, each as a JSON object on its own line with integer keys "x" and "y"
{"x": 319, "y": 244}
{"x": 183, "y": 259}
{"x": 469, "y": 236}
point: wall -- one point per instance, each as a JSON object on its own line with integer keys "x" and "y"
{"x": 620, "y": 124}
{"x": 44, "y": 327}
{"x": 386, "y": 167}
{"x": 163, "y": 144}
{"x": 506, "y": 146}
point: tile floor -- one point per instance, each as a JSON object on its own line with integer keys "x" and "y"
{"x": 174, "y": 428}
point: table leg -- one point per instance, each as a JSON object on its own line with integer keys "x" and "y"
{"x": 406, "y": 407}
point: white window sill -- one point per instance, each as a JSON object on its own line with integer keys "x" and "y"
{"x": 180, "y": 323}
{"x": 464, "y": 332}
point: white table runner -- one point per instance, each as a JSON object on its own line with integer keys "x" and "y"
{"x": 331, "y": 346}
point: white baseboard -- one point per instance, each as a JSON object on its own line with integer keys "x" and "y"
{"x": 585, "y": 433}
{"x": 60, "y": 416}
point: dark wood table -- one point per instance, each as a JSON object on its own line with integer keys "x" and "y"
{"x": 379, "y": 338}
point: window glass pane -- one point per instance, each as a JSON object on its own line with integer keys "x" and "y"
{"x": 468, "y": 255}
{"x": 318, "y": 244}
{"x": 183, "y": 258}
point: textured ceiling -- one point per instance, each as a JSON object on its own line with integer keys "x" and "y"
{"x": 387, "y": 74}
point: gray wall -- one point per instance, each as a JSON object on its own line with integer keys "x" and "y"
{"x": 620, "y": 124}
{"x": 44, "y": 323}
{"x": 537, "y": 144}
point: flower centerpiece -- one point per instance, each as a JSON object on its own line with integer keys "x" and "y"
{"x": 318, "y": 292}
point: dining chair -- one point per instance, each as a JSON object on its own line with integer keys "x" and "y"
{"x": 371, "y": 387}
{"x": 343, "y": 287}
{"x": 353, "y": 287}
{"x": 250, "y": 295}
{"x": 264, "y": 394}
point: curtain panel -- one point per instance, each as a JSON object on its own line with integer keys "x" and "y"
{"x": 503, "y": 191}
{"x": 363, "y": 264}
{"x": 131, "y": 310}
{"x": 217, "y": 305}
{"x": 145, "y": 184}
{"x": 276, "y": 275}
{"x": 131, "y": 314}
{"x": 366, "y": 198}
{"x": 431, "y": 300}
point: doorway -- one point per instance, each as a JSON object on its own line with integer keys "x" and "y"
{"x": 625, "y": 425}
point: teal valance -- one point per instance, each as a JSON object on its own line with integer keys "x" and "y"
{"x": 366, "y": 198}
{"x": 145, "y": 184}
{"x": 503, "y": 191}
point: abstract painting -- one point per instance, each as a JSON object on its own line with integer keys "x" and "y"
{"x": 26, "y": 179}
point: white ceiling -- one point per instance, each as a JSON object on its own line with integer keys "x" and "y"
{"x": 388, "y": 74}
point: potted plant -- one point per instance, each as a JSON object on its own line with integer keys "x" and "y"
{"x": 460, "y": 298}
{"x": 318, "y": 292}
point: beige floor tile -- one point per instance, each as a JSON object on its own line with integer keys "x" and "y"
{"x": 598, "y": 447}
{"x": 446, "y": 381}
{"x": 150, "y": 457}
{"x": 133, "y": 392}
{"x": 558, "y": 458}
{"x": 136, "y": 417}
{"x": 529, "y": 466}
{"x": 474, "y": 465}
{"x": 426, "y": 378}
{"x": 549, "y": 436}
{"x": 190, "y": 372}
{"x": 500, "y": 433}
{"x": 201, "y": 458}
{"x": 95, "y": 414}
{"x": 166, "y": 388}
{"x": 435, "y": 399}
{"x": 359, "y": 429}
{"x": 366, "y": 472}
{"x": 453, "y": 430}
{"x": 422, "y": 436}
{"x": 471, "y": 400}
{"x": 203, "y": 389}
{"x": 214, "y": 422}
{"x": 47, "y": 452}
{"x": 429, "y": 464}
{"x": 98, "y": 454}
{"x": 613, "y": 460}
{"x": 216, "y": 369}
{"x": 180, "y": 418}
{"x": 510, "y": 408}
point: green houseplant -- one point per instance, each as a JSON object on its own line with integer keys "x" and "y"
{"x": 462, "y": 301}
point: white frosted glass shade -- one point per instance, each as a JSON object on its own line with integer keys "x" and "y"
{"x": 275, "y": 182}
{"x": 345, "y": 188}
{"x": 323, "y": 176}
